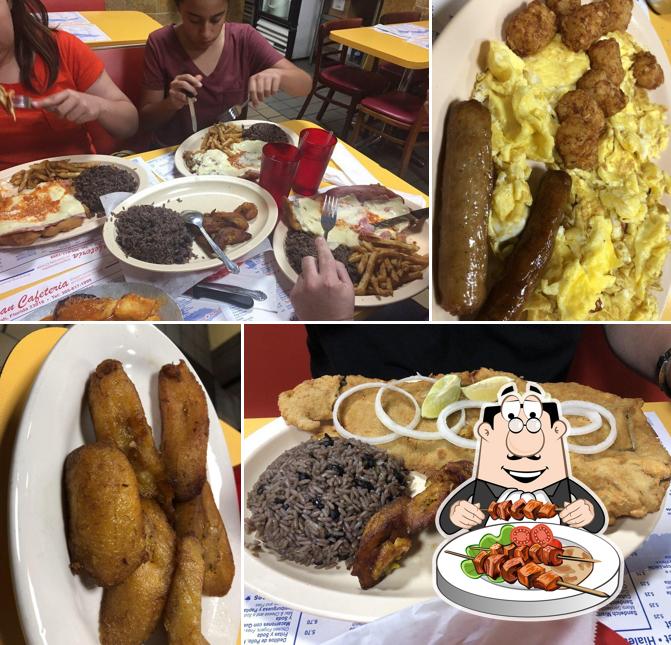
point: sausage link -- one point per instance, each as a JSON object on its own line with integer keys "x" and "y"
{"x": 467, "y": 184}
{"x": 526, "y": 264}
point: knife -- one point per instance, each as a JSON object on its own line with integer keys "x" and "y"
{"x": 244, "y": 302}
{"x": 413, "y": 217}
{"x": 240, "y": 291}
{"x": 192, "y": 110}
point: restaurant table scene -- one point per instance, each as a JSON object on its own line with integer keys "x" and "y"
{"x": 214, "y": 160}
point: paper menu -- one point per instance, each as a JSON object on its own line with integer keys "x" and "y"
{"x": 77, "y": 25}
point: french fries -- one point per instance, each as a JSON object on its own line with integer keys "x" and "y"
{"x": 48, "y": 171}
{"x": 385, "y": 265}
{"x": 221, "y": 136}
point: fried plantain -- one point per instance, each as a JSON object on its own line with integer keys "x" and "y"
{"x": 183, "y": 608}
{"x": 185, "y": 430}
{"x": 118, "y": 418}
{"x": 200, "y": 517}
{"x": 106, "y": 535}
{"x": 131, "y": 610}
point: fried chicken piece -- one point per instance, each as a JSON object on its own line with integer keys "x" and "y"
{"x": 248, "y": 210}
{"x": 583, "y": 105}
{"x": 383, "y": 542}
{"x": 229, "y": 235}
{"x": 647, "y": 71}
{"x": 605, "y": 55}
{"x": 610, "y": 97}
{"x": 421, "y": 512}
{"x": 618, "y": 15}
{"x": 531, "y": 29}
{"x": 84, "y": 307}
{"x": 310, "y": 403}
{"x": 577, "y": 145}
{"x": 562, "y": 7}
{"x": 118, "y": 418}
{"x": 582, "y": 28}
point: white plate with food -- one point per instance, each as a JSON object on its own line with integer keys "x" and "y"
{"x": 113, "y": 301}
{"x": 234, "y": 154}
{"x": 69, "y": 217}
{"x": 49, "y": 596}
{"x": 539, "y": 586}
{"x": 147, "y": 231}
{"x": 588, "y": 276}
{"x": 358, "y": 208}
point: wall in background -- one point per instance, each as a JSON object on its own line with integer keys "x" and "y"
{"x": 164, "y": 11}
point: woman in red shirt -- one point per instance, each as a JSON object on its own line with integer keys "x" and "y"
{"x": 221, "y": 63}
{"x": 67, "y": 82}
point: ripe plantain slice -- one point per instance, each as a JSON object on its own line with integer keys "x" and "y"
{"x": 105, "y": 526}
{"x": 185, "y": 430}
{"x": 183, "y": 608}
{"x": 131, "y": 610}
{"x": 118, "y": 418}
{"x": 200, "y": 517}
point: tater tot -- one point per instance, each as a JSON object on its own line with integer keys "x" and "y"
{"x": 580, "y": 103}
{"x": 605, "y": 55}
{"x": 531, "y": 29}
{"x": 647, "y": 71}
{"x": 610, "y": 97}
{"x": 562, "y": 7}
{"x": 582, "y": 28}
{"x": 618, "y": 15}
{"x": 577, "y": 145}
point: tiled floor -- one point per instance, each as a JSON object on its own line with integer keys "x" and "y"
{"x": 283, "y": 107}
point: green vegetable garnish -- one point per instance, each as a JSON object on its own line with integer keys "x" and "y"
{"x": 486, "y": 541}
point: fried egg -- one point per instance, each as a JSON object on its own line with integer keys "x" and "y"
{"x": 608, "y": 258}
{"x": 244, "y": 156}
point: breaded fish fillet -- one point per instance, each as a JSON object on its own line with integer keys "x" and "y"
{"x": 310, "y": 403}
{"x": 131, "y": 610}
{"x": 186, "y": 429}
{"x": 118, "y": 418}
{"x": 200, "y": 517}
{"x": 631, "y": 477}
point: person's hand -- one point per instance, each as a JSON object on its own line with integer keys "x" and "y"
{"x": 74, "y": 106}
{"x": 577, "y": 514}
{"x": 182, "y": 87}
{"x": 466, "y": 515}
{"x": 323, "y": 292}
{"x": 264, "y": 84}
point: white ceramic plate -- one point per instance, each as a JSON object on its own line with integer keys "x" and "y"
{"x": 513, "y": 601}
{"x": 168, "y": 310}
{"x": 203, "y": 194}
{"x": 462, "y": 44}
{"x": 89, "y": 224}
{"x": 334, "y": 593}
{"x": 55, "y": 607}
{"x": 408, "y": 290}
{"x": 192, "y": 144}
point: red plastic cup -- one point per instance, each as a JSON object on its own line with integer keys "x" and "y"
{"x": 279, "y": 162}
{"x": 316, "y": 148}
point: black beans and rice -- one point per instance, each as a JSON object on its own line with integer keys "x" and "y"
{"x": 100, "y": 180}
{"x": 312, "y": 503}
{"x": 154, "y": 234}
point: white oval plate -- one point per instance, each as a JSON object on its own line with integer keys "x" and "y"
{"x": 461, "y": 43}
{"x": 192, "y": 144}
{"x": 516, "y": 601}
{"x": 408, "y": 290}
{"x": 203, "y": 194}
{"x": 334, "y": 593}
{"x": 54, "y": 605}
{"x": 89, "y": 224}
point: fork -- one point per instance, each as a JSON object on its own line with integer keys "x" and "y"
{"x": 329, "y": 214}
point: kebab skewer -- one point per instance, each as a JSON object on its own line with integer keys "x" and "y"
{"x": 515, "y": 569}
{"x": 521, "y": 509}
{"x": 538, "y": 553}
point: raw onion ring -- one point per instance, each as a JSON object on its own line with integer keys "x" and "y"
{"x": 602, "y": 445}
{"x": 450, "y": 432}
{"x": 390, "y": 424}
{"x": 346, "y": 434}
{"x": 578, "y": 409}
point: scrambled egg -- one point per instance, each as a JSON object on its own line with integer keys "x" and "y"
{"x": 608, "y": 258}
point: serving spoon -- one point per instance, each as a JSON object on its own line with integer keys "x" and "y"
{"x": 195, "y": 218}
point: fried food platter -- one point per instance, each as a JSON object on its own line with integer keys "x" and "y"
{"x": 466, "y": 40}
{"x": 90, "y": 224}
{"x": 203, "y": 194}
{"x": 48, "y": 594}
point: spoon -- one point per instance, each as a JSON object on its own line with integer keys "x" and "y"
{"x": 196, "y": 219}
{"x": 232, "y": 113}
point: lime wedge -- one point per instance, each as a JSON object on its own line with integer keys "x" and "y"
{"x": 487, "y": 389}
{"x": 443, "y": 392}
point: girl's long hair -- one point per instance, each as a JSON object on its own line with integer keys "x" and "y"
{"x": 32, "y": 37}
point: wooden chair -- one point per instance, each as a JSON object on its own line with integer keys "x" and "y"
{"x": 399, "y": 110}
{"x": 333, "y": 74}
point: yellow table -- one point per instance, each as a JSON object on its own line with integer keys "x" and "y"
{"x": 16, "y": 379}
{"x": 124, "y": 28}
{"x": 385, "y": 46}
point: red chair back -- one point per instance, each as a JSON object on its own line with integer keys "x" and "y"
{"x": 74, "y": 5}
{"x": 328, "y": 51}
{"x": 125, "y": 65}
{"x": 398, "y": 17}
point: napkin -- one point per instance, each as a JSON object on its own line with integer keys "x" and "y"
{"x": 437, "y": 623}
{"x": 351, "y": 167}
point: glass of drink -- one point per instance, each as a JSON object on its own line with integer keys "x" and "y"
{"x": 279, "y": 162}
{"x": 316, "y": 148}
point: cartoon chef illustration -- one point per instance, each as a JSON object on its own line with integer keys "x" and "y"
{"x": 522, "y": 457}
